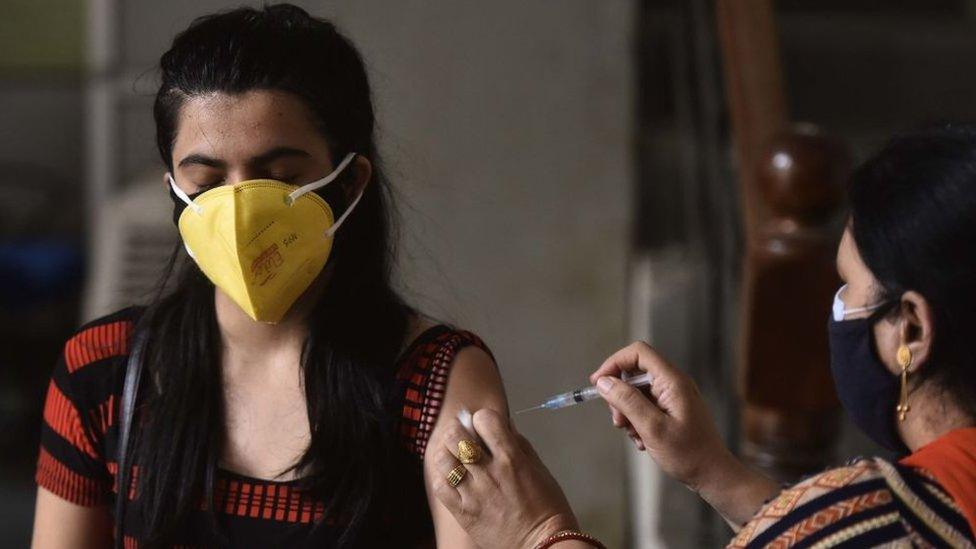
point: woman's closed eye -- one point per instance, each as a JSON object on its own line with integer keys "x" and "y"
{"x": 285, "y": 178}
{"x": 203, "y": 187}
{"x": 201, "y": 180}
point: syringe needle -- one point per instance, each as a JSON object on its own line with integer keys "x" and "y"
{"x": 539, "y": 407}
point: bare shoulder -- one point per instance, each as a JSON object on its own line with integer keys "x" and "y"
{"x": 471, "y": 365}
{"x": 473, "y": 382}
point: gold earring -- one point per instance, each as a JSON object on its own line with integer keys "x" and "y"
{"x": 904, "y": 358}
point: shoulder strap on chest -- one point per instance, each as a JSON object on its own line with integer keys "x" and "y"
{"x": 130, "y": 390}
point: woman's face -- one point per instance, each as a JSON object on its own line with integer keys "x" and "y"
{"x": 224, "y": 139}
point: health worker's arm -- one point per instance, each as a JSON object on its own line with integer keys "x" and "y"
{"x": 674, "y": 426}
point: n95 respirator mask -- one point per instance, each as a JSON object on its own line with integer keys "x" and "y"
{"x": 261, "y": 241}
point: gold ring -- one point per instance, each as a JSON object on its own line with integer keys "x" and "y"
{"x": 469, "y": 451}
{"x": 456, "y": 476}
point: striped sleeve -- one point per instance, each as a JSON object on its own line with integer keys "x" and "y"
{"x": 849, "y": 504}
{"x": 79, "y": 409}
{"x": 868, "y": 503}
{"x": 423, "y": 374}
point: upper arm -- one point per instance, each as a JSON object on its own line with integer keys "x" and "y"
{"x": 474, "y": 383}
{"x": 59, "y": 523}
{"x": 74, "y": 483}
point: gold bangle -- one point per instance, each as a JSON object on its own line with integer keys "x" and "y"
{"x": 566, "y": 535}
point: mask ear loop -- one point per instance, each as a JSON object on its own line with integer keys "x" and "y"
{"x": 841, "y": 311}
{"x": 335, "y": 226}
{"x": 315, "y": 185}
{"x": 198, "y": 209}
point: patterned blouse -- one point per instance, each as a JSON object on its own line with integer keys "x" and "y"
{"x": 869, "y": 503}
{"x": 79, "y": 435}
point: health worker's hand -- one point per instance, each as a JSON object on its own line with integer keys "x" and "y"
{"x": 676, "y": 429}
{"x": 508, "y": 498}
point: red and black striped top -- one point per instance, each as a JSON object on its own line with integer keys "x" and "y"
{"x": 79, "y": 434}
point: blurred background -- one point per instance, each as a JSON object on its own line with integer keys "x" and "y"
{"x": 571, "y": 176}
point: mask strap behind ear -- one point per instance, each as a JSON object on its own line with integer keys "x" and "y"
{"x": 183, "y": 196}
{"x": 335, "y": 226}
{"x": 322, "y": 182}
{"x": 841, "y": 311}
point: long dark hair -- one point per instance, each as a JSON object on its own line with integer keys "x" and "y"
{"x": 913, "y": 212}
{"x": 356, "y": 329}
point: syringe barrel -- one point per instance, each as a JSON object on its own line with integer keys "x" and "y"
{"x": 584, "y": 394}
{"x": 572, "y": 398}
{"x": 560, "y": 401}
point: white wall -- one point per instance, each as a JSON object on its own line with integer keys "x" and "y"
{"x": 506, "y": 129}
{"x": 507, "y": 126}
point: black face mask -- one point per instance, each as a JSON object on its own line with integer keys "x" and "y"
{"x": 868, "y": 391}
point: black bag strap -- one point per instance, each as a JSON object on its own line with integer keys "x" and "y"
{"x": 130, "y": 390}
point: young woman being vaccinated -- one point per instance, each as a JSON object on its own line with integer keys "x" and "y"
{"x": 287, "y": 394}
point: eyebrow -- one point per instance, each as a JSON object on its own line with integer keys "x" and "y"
{"x": 259, "y": 160}
{"x": 201, "y": 160}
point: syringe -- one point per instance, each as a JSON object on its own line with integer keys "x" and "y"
{"x": 583, "y": 394}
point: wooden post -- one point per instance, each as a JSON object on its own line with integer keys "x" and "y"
{"x": 790, "y": 180}
{"x": 754, "y": 87}
{"x": 789, "y": 413}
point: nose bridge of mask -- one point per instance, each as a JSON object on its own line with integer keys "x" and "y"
{"x": 292, "y": 197}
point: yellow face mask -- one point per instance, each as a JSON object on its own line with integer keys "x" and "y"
{"x": 261, "y": 241}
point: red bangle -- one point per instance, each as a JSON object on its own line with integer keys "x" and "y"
{"x": 567, "y": 535}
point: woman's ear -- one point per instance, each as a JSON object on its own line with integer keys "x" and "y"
{"x": 917, "y": 328}
{"x": 361, "y": 171}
